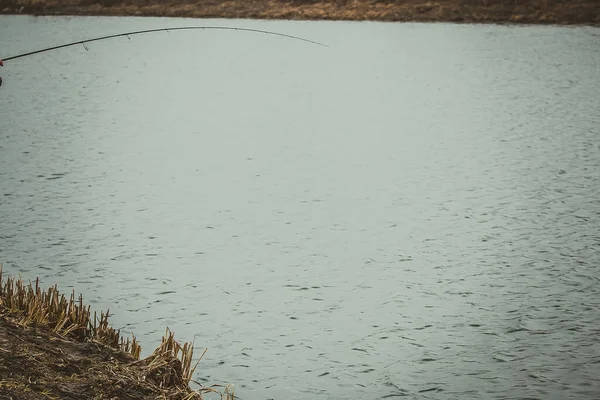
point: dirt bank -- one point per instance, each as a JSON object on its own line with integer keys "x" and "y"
{"x": 55, "y": 348}
{"x": 473, "y": 11}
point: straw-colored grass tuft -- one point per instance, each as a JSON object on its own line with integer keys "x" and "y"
{"x": 50, "y": 309}
{"x": 26, "y": 310}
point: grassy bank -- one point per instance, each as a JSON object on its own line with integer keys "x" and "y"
{"x": 53, "y": 347}
{"x": 474, "y": 11}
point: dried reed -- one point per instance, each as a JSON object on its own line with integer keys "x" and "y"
{"x": 36, "y": 307}
{"x": 169, "y": 366}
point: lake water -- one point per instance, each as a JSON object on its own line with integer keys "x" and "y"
{"x": 413, "y": 211}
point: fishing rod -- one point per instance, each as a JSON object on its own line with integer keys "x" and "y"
{"x": 179, "y": 28}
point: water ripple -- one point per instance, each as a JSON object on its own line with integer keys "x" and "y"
{"x": 412, "y": 214}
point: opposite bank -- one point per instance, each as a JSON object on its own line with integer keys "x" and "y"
{"x": 582, "y": 12}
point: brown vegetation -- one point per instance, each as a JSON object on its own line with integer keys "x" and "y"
{"x": 488, "y": 11}
{"x": 54, "y": 348}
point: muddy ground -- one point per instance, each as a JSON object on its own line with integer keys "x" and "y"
{"x": 38, "y": 364}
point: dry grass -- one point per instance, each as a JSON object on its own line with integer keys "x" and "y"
{"x": 486, "y": 11}
{"x": 32, "y": 306}
{"x": 47, "y": 338}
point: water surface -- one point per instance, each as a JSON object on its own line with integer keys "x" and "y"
{"x": 411, "y": 212}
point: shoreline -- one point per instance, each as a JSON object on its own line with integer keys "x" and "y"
{"x": 54, "y": 347}
{"x": 540, "y": 12}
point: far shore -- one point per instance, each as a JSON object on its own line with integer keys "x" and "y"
{"x": 558, "y": 12}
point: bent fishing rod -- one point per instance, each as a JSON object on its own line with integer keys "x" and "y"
{"x": 179, "y": 28}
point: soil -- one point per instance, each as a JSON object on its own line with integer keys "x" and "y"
{"x": 38, "y": 364}
{"x": 53, "y": 347}
{"x": 581, "y": 12}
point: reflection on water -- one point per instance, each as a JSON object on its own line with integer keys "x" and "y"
{"x": 412, "y": 212}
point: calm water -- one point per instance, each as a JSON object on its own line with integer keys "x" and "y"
{"x": 414, "y": 211}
